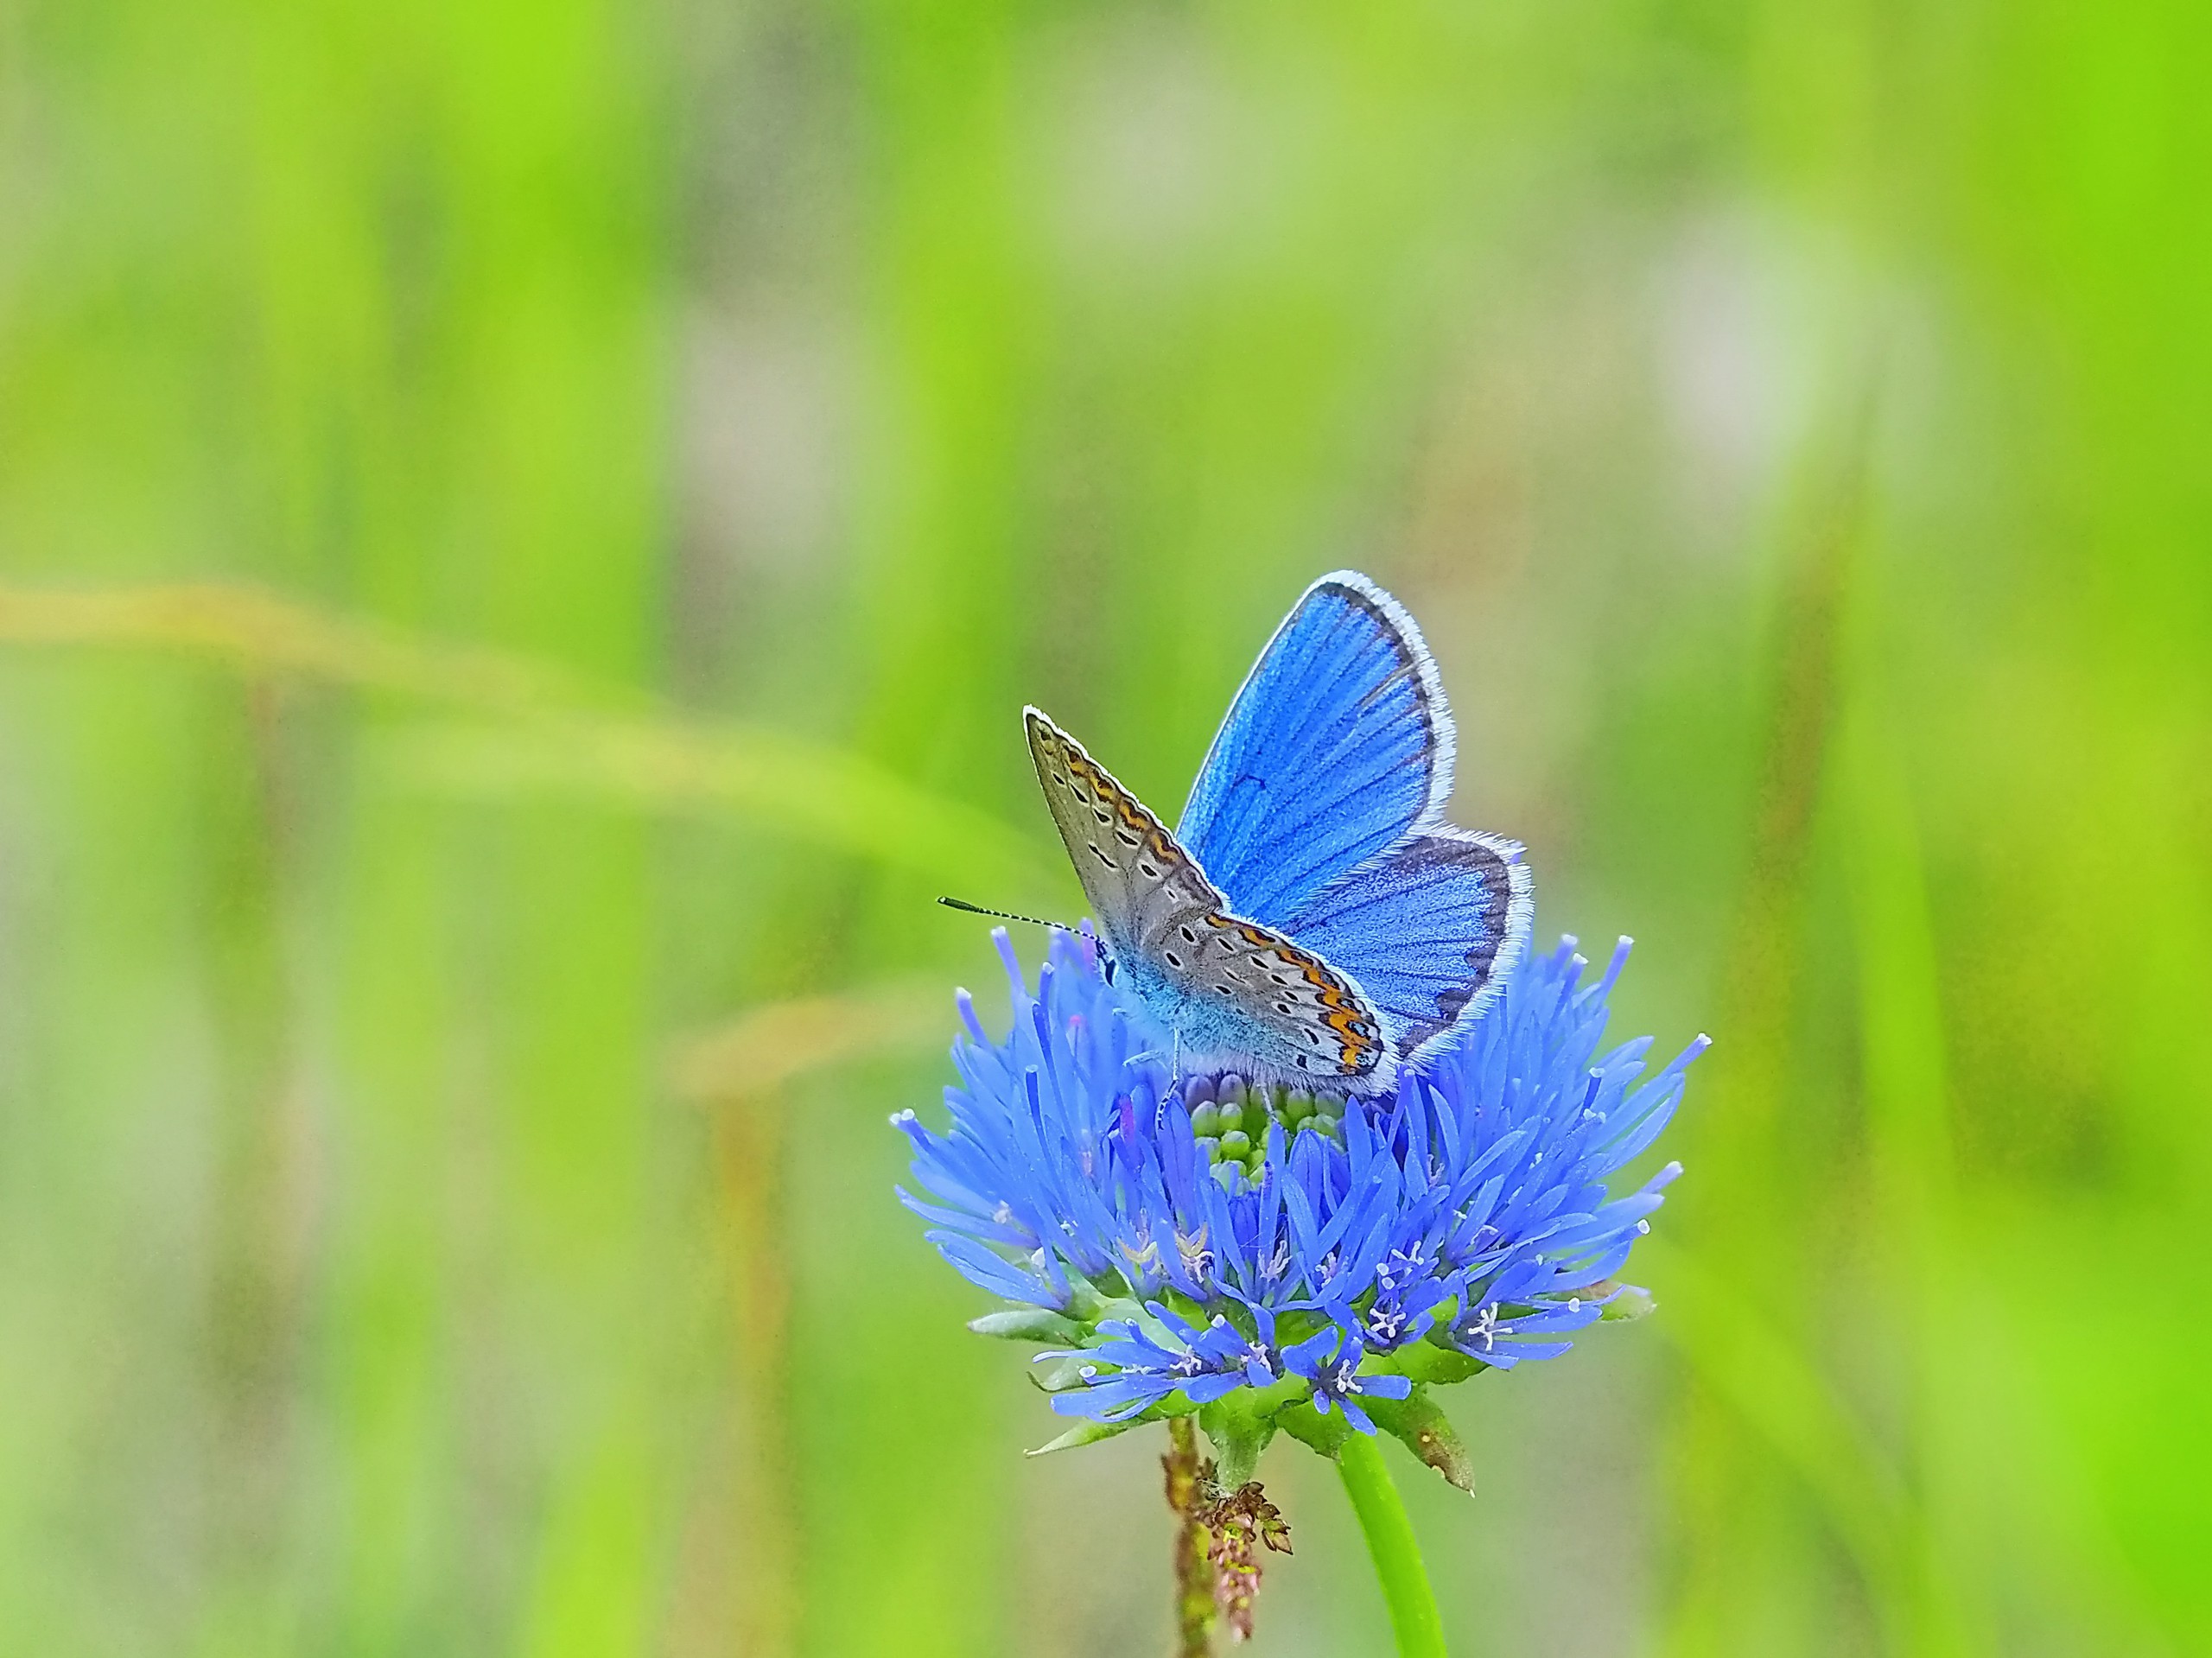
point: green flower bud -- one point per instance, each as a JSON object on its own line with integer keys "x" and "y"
{"x": 1630, "y": 1301}
{"x": 1027, "y": 1324}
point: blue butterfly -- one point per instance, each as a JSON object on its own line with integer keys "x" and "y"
{"x": 1312, "y": 920}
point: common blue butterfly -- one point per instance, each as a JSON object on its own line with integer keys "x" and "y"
{"x": 1312, "y": 919}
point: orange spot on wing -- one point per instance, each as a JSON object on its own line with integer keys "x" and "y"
{"x": 1339, "y": 1012}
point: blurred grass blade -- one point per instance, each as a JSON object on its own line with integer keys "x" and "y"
{"x": 832, "y": 797}
{"x": 1778, "y": 1394}
{"x": 556, "y": 731}
{"x": 253, "y": 630}
{"x": 1906, "y": 1091}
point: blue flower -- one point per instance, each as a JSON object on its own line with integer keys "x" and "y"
{"x": 1330, "y": 1359}
{"x": 1171, "y": 1230}
{"x": 1204, "y": 1362}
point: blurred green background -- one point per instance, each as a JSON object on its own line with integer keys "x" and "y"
{"x": 524, "y": 533}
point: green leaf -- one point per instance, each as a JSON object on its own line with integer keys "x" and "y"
{"x": 1417, "y": 1423}
{"x": 1309, "y": 1426}
{"x": 1027, "y": 1325}
{"x": 1085, "y": 1432}
{"x": 1090, "y": 1305}
{"x": 1060, "y": 1375}
{"x": 1426, "y": 1362}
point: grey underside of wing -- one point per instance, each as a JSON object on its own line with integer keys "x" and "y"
{"x": 1239, "y": 1000}
{"x": 1142, "y": 886}
{"x": 1217, "y": 984}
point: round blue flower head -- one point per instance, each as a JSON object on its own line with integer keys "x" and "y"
{"x": 1277, "y": 1259}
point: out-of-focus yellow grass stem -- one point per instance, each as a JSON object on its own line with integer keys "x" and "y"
{"x": 739, "y": 1073}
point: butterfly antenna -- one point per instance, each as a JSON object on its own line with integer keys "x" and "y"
{"x": 1003, "y": 915}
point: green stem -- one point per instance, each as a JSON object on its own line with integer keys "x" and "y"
{"x": 1390, "y": 1539}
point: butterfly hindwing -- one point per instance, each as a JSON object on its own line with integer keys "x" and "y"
{"x": 1336, "y": 747}
{"x": 1242, "y": 996}
{"x": 1429, "y": 930}
{"x": 1231, "y": 990}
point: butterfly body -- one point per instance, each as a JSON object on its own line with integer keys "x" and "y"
{"x": 1312, "y": 919}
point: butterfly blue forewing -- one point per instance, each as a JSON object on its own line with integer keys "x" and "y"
{"x": 1337, "y": 744}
